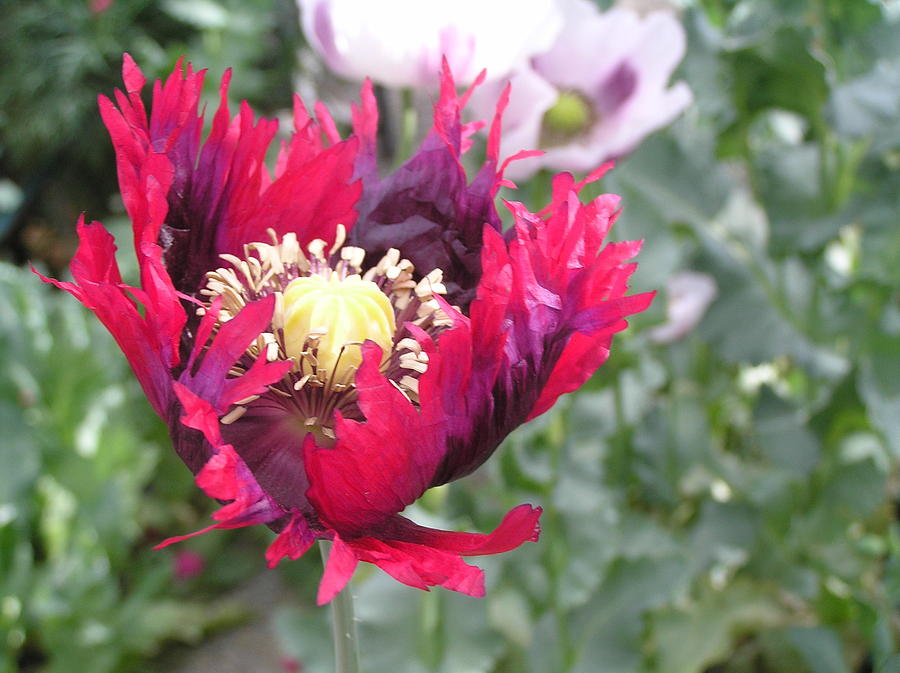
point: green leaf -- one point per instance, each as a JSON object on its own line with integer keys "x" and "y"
{"x": 304, "y": 634}
{"x": 678, "y": 177}
{"x": 779, "y": 72}
{"x": 789, "y": 186}
{"x": 723, "y": 537}
{"x": 609, "y": 628}
{"x": 439, "y": 631}
{"x": 783, "y": 436}
{"x": 689, "y": 639}
{"x": 584, "y": 522}
{"x": 855, "y": 490}
{"x": 204, "y": 14}
{"x": 821, "y": 649}
{"x": 510, "y": 614}
{"x": 868, "y": 105}
{"x": 879, "y": 386}
{"x": 880, "y": 245}
{"x": 670, "y": 443}
{"x": 750, "y": 323}
{"x": 752, "y": 22}
{"x": 889, "y": 665}
{"x": 21, "y": 458}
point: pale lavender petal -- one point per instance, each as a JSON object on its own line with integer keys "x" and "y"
{"x": 402, "y": 43}
{"x": 658, "y": 49}
{"x": 590, "y": 46}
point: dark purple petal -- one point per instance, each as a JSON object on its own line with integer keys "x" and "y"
{"x": 427, "y": 209}
{"x": 271, "y": 443}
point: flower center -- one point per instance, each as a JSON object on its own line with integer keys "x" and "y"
{"x": 327, "y": 304}
{"x": 570, "y": 116}
{"x": 342, "y": 313}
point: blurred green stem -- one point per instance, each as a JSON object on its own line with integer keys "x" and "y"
{"x": 408, "y": 122}
{"x": 343, "y": 626}
{"x": 839, "y": 162}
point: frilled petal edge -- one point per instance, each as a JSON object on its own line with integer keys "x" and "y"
{"x": 148, "y": 337}
{"x": 225, "y": 476}
{"x": 418, "y": 556}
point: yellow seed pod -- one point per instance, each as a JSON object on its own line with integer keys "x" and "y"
{"x": 345, "y": 312}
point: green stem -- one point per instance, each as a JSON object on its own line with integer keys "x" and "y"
{"x": 343, "y": 626}
{"x": 408, "y": 122}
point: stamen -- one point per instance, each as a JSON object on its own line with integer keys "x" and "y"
{"x": 400, "y": 388}
{"x": 316, "y": 248}
{"x": 233, "y": 415}
{"x": 415, "y": 365}
{"x": 353, "y": 257}
{"x": 340, "y": 236}
{"x": 408, "y": 343}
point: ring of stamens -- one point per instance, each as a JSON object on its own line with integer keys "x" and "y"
{"x": 313, "y": 392}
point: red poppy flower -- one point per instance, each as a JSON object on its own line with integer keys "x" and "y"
{"x": 326, "y": 344}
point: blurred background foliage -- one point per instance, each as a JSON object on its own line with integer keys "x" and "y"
{"x": 725, "y": 503}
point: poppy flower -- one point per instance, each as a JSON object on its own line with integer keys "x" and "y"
{"x": 599, "y": 89}
{"x": 324, "y": 343}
